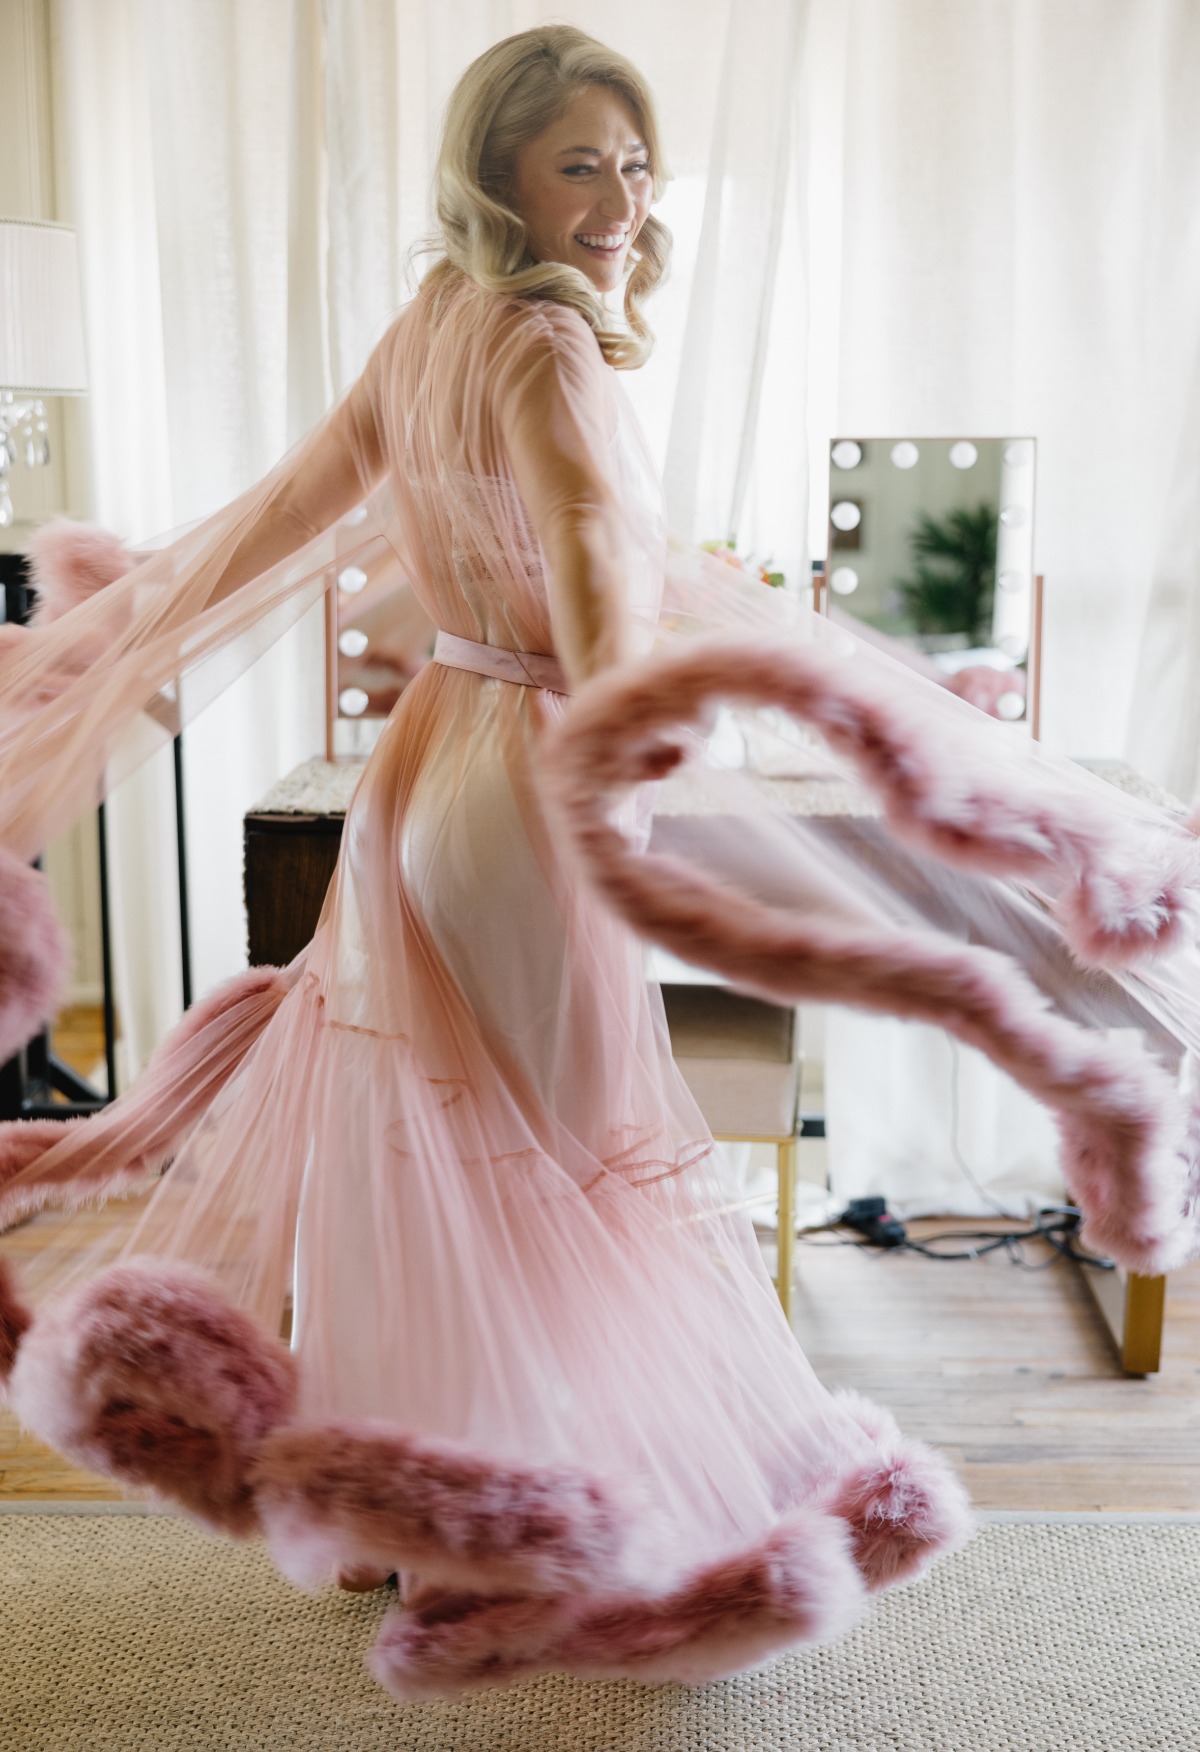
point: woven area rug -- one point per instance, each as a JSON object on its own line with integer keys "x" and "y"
{"x": 129, "y": 1632}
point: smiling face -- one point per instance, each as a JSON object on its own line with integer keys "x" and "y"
{"x": 584, "y": 186}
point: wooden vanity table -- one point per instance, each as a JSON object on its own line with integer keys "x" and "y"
{"x": 291, "y": 847}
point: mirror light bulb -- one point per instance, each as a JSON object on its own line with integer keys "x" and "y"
{"x": 963, "y": 454}
{"x": 844, "y": 580}
{"x": 1010, "y": 706}
{"x": 905, "y": 454}
{"x": 846, "y": 453}
{"x": 353, "y": 642}
{"x": 1013, "y": 516}
{"x": 352, "y": 702}
{"x": 353, "y": 518}
{"x": 1016, "y": 453}
{"x": 352, "y": 580}
{"x": 845, "y": 515}
{"x": 1011, "y": 581}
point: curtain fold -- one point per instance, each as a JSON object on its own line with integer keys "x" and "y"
{"x": 230, "y": 220}
{"x": 744, "y": 252}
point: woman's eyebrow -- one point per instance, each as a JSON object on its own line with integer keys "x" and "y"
{"x": 595, "y": 152}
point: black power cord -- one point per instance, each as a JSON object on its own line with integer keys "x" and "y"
{"x": 1055, "y": 1225}
{"x": 874, "y": 1222}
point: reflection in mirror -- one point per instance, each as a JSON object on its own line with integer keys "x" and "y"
{"x": 931, "y": 552}
{"x": 378, "y": 637}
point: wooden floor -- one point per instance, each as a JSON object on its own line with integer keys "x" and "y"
{"x": 1010, "y": 1372}
{"x": 79, "y": 1041}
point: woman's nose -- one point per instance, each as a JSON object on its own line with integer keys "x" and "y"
{"x": 617, "y": 202}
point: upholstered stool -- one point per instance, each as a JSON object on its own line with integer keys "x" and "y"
{"x": 739, "y": 1058}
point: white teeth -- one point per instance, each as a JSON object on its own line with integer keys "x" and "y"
{"x": 598, "y": 240}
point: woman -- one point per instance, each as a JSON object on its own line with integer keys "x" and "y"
{"x": 535, "y": 1366}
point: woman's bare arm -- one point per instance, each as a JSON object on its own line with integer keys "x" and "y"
{"x": 333, "y": 470}
{"x": 554, "y": 419}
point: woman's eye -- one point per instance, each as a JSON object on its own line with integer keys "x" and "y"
{"x": 578, "y": 170}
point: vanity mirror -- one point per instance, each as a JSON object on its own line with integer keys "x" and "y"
{"x": 931, "y": 547}
{"x": 377, "y": 636}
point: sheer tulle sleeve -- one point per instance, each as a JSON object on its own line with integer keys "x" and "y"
{"x": 85, "y": 699}
{"x": 554, "y": 410}
{"x": 330, "y": 472}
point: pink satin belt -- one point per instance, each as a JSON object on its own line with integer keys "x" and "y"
{"x": 525, "y": 668}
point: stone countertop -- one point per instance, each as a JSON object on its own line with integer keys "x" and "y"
{"x": 319, "y": 787}
{"x": 322, "y": 787}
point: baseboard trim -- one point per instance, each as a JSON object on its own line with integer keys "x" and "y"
{"x": 32, "y": 1506}
{"x": 985, "y": 1517}
{"x": 1088, "y": 1517}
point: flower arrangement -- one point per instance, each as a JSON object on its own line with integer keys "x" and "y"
{"x": 746, "y": 564}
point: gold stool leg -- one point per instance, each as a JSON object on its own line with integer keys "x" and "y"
{"x": 1132, "y": 1307}
{"x": 786, "y": 1228}
{"x": 1141, "y": 1341}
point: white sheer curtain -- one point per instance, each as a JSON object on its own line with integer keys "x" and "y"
{"x": 1012, "y": 245}
{"x": 196, "y": 178}
{"x": 1020, "y": 252}
{"x": 102, "y": 105}
{"x": 918, "y": 216}
{"x": 240, "y": 259}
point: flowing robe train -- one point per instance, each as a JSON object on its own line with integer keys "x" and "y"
{"x": 453, "y": 1134}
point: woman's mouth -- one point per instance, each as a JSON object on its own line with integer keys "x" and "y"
{"x": 603, "y": 243}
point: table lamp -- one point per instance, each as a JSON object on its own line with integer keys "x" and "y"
{"x": 41, "y": 339}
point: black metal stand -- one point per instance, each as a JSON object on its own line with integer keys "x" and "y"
{"x": 110, "y": 1020}
{"x": 185, "y": 937}
{"x": 30, "y": 1081}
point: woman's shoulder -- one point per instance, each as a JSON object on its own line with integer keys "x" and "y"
{"x": 509, "y": 320}
{"x": 546, "y": 323}
{"x": 540, "y": 338}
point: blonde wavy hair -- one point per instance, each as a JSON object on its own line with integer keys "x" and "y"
{"x": 509, "y": 95}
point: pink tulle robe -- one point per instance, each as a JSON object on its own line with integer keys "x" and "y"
{"x": 452, "y": 1134}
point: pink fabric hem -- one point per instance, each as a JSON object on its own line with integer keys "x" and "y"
{"x": 33, "y": 954}
{"x": 147, "y": 1375}
{"x": 64, "y": 1164}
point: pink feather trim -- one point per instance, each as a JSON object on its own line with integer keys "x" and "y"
{"x": 800, "y": 1584}
{"x": 149, "y": 1376}
{"x": 71, "y": 562}
{"x": 905, "y": 1507}
{"x": 63, "y": 1164}
{"x": 15, "y": 1321}
{"x": 341, "y": 1497}
{"x": 1119, "y": 897}
{"x": 1128, "y": 1153}
{"x": 34, "y": 954}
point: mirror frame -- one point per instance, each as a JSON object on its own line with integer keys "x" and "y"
{"x": 1032, "y": 716}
